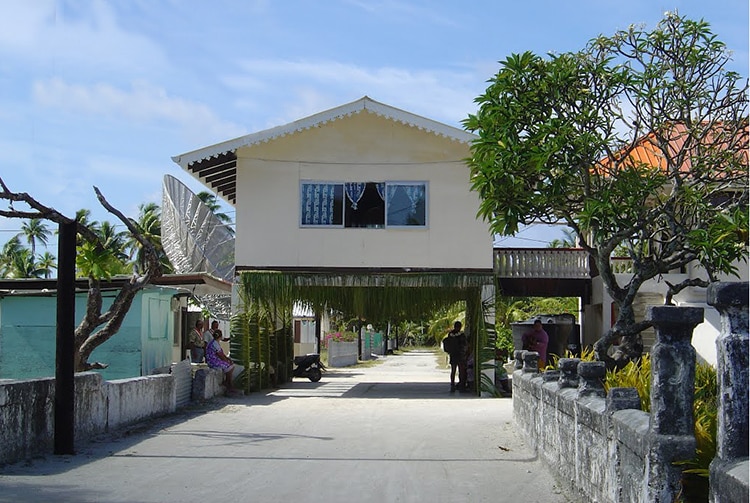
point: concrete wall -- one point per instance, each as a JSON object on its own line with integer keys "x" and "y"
{"x": 605, "y": 449}
{"x": 27, "y": 407}
{"x": 342, "y": 354}
{"x": 599, "y": 455}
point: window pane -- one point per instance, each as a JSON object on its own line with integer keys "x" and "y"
{"x": 321, "y": 203}
{"x": 364, "y": 206}
{"x": 406, "y": 204}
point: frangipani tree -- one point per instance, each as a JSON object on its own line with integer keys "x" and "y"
{"x": 638, "y": 141}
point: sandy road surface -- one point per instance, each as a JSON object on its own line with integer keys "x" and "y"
{"x": 388, "y": 433}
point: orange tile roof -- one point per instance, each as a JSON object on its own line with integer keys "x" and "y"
{"x": 646, "y": 151}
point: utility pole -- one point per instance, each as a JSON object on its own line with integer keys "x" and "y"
{"x": 65, "y": 348}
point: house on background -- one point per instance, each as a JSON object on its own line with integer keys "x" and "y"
{"x": 153, "y": 333}
{"x": 368, "y": 195}
{"x": 365, "y": 197}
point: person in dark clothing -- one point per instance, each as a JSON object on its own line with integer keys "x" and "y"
{"x": 456, "y": 344}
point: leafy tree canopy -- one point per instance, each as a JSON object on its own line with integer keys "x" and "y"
{"x": 638, "y": 141}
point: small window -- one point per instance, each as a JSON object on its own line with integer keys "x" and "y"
{"x": 406, "y": 204}
{"x": 321, "y": 204}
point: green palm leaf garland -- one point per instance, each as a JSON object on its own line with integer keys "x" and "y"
{"x": 267, "y": 298}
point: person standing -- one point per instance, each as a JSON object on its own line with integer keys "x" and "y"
{"x": 456, "y": 344}
{"x": 197, "y": 344}
{"x": 537, "y": 340}
{"x": 208, "y": 335}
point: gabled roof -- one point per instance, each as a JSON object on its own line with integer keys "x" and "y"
{"x": 216, "y": 165}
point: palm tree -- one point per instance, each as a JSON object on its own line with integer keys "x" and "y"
{"x": 149, "y": 225}
{"x": 35, "y": 230}
{"x": 23, "y": 265}
{"x": 443, "y": 321}
{"x": 46, "y": 263}
{"x": 10, "y": 248}
{"x": 569, "y": 241}
{"x": 106, "y": 260}
{"x": 212, "y": 202}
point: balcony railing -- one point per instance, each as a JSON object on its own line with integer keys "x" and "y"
{"x": 560, "y": 263}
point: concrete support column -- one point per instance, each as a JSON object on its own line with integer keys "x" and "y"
{"x": 671, "y": 429}
{"x": 731, "y": 300}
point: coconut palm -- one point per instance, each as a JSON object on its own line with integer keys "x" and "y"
{"x": 569, "y": 241}
{"x": 149, "y": 225}
{"x": 443, "y": 321}
{"x": 106, "y": 260}
{"x": 47, "y": 262}
{"x": 35, "y": 230}
{"x": 10, "y": 248}
{"x": 212, "y": 202}
{"x": 23, "y": 265}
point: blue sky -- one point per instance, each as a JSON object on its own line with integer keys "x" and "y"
{"x": 105, "y": 92}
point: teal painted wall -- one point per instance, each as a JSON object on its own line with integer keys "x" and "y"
{"x": 27, "y": 336}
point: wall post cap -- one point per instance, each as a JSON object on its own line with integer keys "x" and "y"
{"x": 728, "y": 293}
{"x": 674, "y": 315}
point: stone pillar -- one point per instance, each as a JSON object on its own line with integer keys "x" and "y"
{"x": 623, "y": 398}
{"x": 671, "y": 430}
{"x": 568, "y": 372}
{"x": 530, "y": 362}
{"x": 591, "y": 378}
{"x": 731, "y": 301}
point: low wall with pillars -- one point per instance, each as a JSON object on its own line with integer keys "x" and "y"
{"x": 27, "y": 407}
{"x": 605, "y": 449}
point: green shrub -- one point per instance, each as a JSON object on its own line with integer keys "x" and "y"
{"x": 705, "y": 405}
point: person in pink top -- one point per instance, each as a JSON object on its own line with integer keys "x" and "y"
{"x": 215, "y": 358}
{"x": 537, "y": 340}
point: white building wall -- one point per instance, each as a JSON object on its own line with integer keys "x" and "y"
{"x": 653, "y": 292}
{"x": 360, "y": 148}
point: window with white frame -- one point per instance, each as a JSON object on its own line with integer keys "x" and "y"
{"x": 373, "y": 205}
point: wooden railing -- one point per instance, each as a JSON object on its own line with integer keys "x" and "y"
{"x": 561, "y": 263}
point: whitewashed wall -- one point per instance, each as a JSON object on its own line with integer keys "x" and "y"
{"x": 359, "y": 148}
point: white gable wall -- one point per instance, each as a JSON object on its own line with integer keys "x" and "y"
{"x": 360, "y": 148}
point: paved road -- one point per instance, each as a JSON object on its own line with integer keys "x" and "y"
{"x": 388, "y": 433}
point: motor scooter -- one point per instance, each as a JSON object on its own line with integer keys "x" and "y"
{"x": 308, "y": 366}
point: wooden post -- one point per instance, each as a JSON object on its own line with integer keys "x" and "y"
{"x": 65, "y": 348}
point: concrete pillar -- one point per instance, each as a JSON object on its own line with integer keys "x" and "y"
{"x": 568, "y": 372}
{"x": 591, "y": 378}
{"x": 731, "y": 300}
{"x": 530, "y": 362}
{"x": 728, "y": 479}
{"x": 623, "y": 398}
{"x": 671, "y": 430}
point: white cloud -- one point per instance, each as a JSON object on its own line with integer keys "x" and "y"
{"x": 442, "y": 95}
{"x": 65, "y": 38}
{"x": 141, "y": 103}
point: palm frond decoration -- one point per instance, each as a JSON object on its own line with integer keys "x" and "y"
{"x": 268, "y": 296}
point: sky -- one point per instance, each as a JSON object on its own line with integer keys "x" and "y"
{"x": 104, "y": 93}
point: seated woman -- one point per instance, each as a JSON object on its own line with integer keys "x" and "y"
{"x": 216, "y": 359}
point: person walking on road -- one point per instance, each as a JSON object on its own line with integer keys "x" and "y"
{"x": 456, "y": 344}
